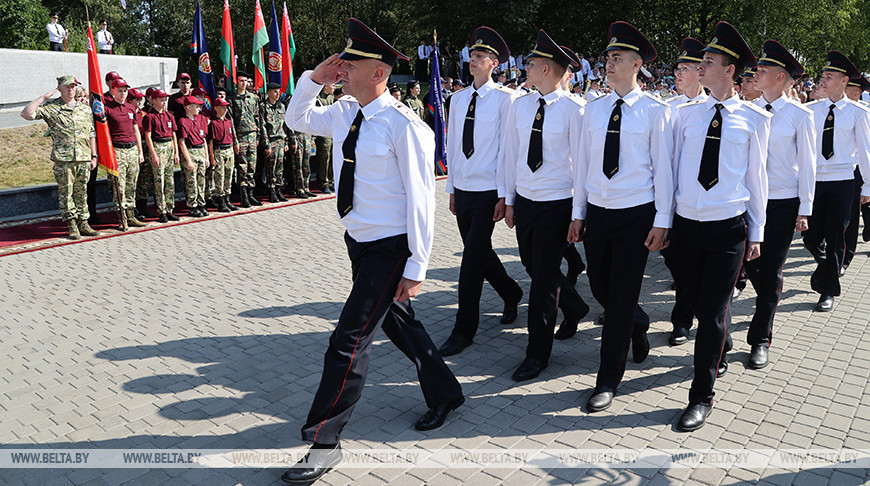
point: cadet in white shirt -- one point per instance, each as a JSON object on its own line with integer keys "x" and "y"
{"x": 594, "y": 89}
{"x": 56, "y": 34}
{"x": 464, "y": 59}
{"x": 721, "y": 197}
{"x": 853, "y": 92}
{"x": 623, "y": 200}
{"x": 476, "y": 138}
{"x": 105, "y": 41}
{"x": 538, "y": 177}
{"x": 383, "y": 158}
{"x": 843, "y": 128}
{"x": 791, "y": 180}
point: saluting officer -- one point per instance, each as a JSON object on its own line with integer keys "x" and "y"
{"x": 843, "y": 128}
{"x": 476, "y": 148}
{"x": 791, "y": 180}
{"x": 386, "y": 200}
{"x": 538, "y": 177}
{"x": 623, "y": 200}
{"x": 721, "y": 188}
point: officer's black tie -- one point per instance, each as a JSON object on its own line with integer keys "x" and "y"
{"x": 344, "y": 198}
{"x": 468, "y": 128}
{"x": 536, "y": 142}
{"x": 768, "y": 107}
{"x": 828, "y": 135}
{"x": 708, "y": 175}
{"x": 611, "y": 141}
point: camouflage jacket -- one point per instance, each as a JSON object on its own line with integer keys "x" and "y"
{"x": 247, "y": 115}
{"x": 71, "y": 129}
{"x": 416, "y": 105}
{"x": 273, "y": 119}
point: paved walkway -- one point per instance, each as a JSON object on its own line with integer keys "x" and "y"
{"x": 210, "y": 336}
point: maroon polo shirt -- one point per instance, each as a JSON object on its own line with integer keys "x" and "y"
{"x": 175, "y": 106}
{"x": 121, "y": 120}
{"x": 221, "y": 130}
{"x": 193, "y": 129}
{"x": 161, "y": 125}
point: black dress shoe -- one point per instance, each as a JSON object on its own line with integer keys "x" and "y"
{"x": 600, "y": 320}
{"x": 317, "y": 462}
{"x": 601, "y": 398}
{"x": 758, "y": 357}
{"x": 825, "y": 304}
{"x": 694, "y": 417}
{"x": 723, "y": 368}
{"x": 510, "y": 312}
{"x": 435, "y": 417}
{"x": 843, "y": 269}
{"x": 163, "y": 218}
{"x": 530, "y": 368}
{"x": 680, "y": 335}
{"x": 568, "y": 327}
{"x": 454, "y": 345}
{"x": 172, "y": 217}
{"x": 639, "y": 347}
{"x": 865, "y": 235}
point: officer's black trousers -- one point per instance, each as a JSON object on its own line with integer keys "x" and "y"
{"x": 681, "y": 313}
{"x": 711, "y": 254}
{"x": 377, "y": 268}
{"x": 474, "y": 212}
{"x": 832, "y": 207}
{"x": 542, "y": 231}
{"x": 574, "y": 260}
{"x": 854, "y": 217}
{"x": 765, "y": 272}
{"x": 615, "y": 250}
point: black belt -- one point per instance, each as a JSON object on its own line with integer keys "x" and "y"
{"x": 224, "y": 145}
{"x": 162, "y": 139}
{"x": 276, "y": 138}
{"x": 199, "y": 145}
{"x": 123, "y": 144}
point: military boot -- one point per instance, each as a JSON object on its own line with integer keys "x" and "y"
{"x": 251, "y": 199}
{"x": 86, "y": 230}
{"x": 132, "y": 221}
{"x": 273, "y": 198}
{"x": 222, "y": 205}
{"x": 279, "y": 190}
{"x": 73, "y": 230}
{"x": 243, "y": 197}
{"x": 229, "y": 203}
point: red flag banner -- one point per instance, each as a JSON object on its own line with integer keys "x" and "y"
{"x": 288, "y": 50}
{"x": 228, "y": 48}
{"x": 105, "y": 151}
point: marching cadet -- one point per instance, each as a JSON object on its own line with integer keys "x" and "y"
{"x": 844, "y": 130}
{"x": 159, "y": 127}
{"x": 127, "y": 141}
{"x": 73, "y": 150}
{"x": 538, "y": 178}
{"x": 386, "y": 200}
{"x": 853, "y": 92}
{"x": 192, "y": 131}
{"x": 623, "y": 201}
{"x": 748, "y": 89}
{"x": 791, "y": 179}
{"x": 250, "y": 133}
{"x": 222, "y": 145}
{"x": 686, "y": 79}
{"x": 475, "y": 148}
{"x": 719, "y": 193}
{"x": 273, "y": 125}
{"x": 594, "y": 89}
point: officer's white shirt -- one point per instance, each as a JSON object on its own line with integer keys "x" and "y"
{"x": 465, "y": 55}
{"x": 394, "y": 181}
{"x": 55, "y": 32}
{"x": 593, "y": 94}
{"x": 865, "y": 96}
{"x": 676, "y": 101}
{"x": 104, "y": 38}
{"x": 645, "y": 149}
{"x": 851, "y": 141}
{"x": 423, "y": 51}
{"x": 586, "y": 68}
{"x": 742, "y": 185}
{"x": 791, "y": 153}
{"x": 554, "y": 180}
{"x": 519, "y": 62}
{"x": 491, "y": 110}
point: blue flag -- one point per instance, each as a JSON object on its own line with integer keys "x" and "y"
{"x": 199, "y": 51}
{"x": 275, "y": 59}
{"x": 435, "y": 107}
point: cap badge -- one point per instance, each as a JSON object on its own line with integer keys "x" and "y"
{"x": 350, "y": 43}
{"x": 715, "y": 40}
{"x": 685, "y": 53}
{"x": 613, "y": 40}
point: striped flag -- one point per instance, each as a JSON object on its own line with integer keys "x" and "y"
{"x": 261, "y": 40}
{"x": 105, "y": 151}
{"x": 288, "y": 52}
{"x": 228, "y": 49}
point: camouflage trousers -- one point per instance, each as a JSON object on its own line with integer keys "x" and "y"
{"x": 128, "y": 172}
{"x": 275, "y": 164}
{"x": 146, "y": 177}
{"x": 223, "y": 170}
{"x": 323, "y": 160}
{"x": 164, "y": 180}
{"x": 247, "y": 159}
{"x": 194, "y": 182}
{"x": 210, "y": 187}
{"x": 72, "y": 180}
{"x": 300, "y": 170}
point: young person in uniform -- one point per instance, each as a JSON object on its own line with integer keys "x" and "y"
{"x": 222, "y": 147}
{"x": 192, "y": 132}
{"x": 127, "y": 142}
{"x": 159, "y": 127}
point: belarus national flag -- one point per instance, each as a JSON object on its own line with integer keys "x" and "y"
{"x": 288, "y": 52}
{"x": 261, "y": 40}
{"x": 105, "y": 151}
{"x": 228, "y": 49}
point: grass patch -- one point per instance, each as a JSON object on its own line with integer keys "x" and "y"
{"x": 25, "y": 156}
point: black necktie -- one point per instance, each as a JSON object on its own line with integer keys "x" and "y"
{"x": 708, "y": 175}
{"x": 768, "y": 107}
{"x": 468, "y": 128}
{"x": 536, "y": 142}
{"x": 828, "y": 135}
{"x": 344, "y": 198}
{"x": 611, "y": 141}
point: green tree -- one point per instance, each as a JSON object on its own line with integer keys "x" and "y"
{"x": 22, "y": 25}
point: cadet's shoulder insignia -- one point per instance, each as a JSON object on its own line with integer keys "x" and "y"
{"x": 811, "y": 103}
{"x": 501, "y": 87}
{"x": 757, "y": 109}
{"x": 522, "y": 95}
{"x": 577, "y": 99}
{"x": 802, "y": 107}
{"x": 860, "y": 104}
{"x": 690, "y": 103}
{"x": 657, "y": 99}
{"x": 405, "y": 110}
{"x": 596, "y": 99}
{"x": 347, "y": 99}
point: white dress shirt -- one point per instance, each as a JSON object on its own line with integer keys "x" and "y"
{"x": 491, "y": 109}
{"x": 586, "y": 68}
{"x": 554, "y": 180}
{"x": 394, "y": 181}
{"x": 55, "y": 32}
{"x": 791, "y": 153}
{"x": 465, "y": 55}
{"x": 104, "y": 40}
{"x": 851, "y": 141}
{"x": 645, "y": 149}
{"x": 865, "y": 96}
{"x": 520, "y": 63}
{"x": 423, "y": 51}
{"x": 676, "y": 101}
{"x": 742, "y": 186}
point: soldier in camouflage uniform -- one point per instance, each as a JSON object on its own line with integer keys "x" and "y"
{"x": 249, "y": 132}
{"x": 73, "y": 150}
{"x": 273, "y": 123}
{"x": 298, "y": 155}
{"x": 323, "y": 155}
{"x": 413, "y": 101}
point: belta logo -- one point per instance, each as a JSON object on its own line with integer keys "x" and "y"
{"x": 204, "y": 63}
{"x": 274, "y": 62}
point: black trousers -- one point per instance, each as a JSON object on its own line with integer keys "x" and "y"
{"x": 474, "y": 212}
{"x": 465, "y": 74}
{"x": 55, "y": 46}
{"x": 377, "y": 268}
{"x": 615, "y": 250}
{"x": 832, "y": 208}
{"x": 574, "y": 260}
{"x": 854, "y": 216}
{"x": 542, "y": 229}
{"x": 765, "y": 272}
{"x": 711, "y": 254}
{"x": 681, "y": 313}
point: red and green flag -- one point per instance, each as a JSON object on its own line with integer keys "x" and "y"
{"x": 105, "y": 151}
{"x": 261, "y": 40}
{"x": 228, "y": 49}
{"x": 288, "y": 52}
